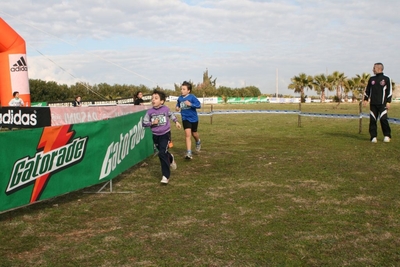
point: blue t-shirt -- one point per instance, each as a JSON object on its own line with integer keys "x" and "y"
{"x": 189, "y": 113}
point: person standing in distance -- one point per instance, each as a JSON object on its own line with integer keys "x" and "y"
{"x": 16, "y": 101}
{"x": 379, "y": 93}
{"x": 188, "y": 104}
{"x": 138, "y": 98}
{"x": 77, "y": 102}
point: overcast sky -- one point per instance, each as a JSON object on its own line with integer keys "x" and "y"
{"x": 240, "y": 42}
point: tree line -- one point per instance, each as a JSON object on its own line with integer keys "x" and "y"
{"x": 50, "y": 91}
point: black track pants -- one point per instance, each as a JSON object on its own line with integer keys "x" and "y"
{"x": 378, "y": 112}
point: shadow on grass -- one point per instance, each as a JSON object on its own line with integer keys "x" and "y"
{"x": 356, "y": 136}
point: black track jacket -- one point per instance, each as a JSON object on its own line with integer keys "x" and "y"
{"x": 379, "y": 90}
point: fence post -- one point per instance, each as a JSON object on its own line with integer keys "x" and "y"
{"x": 211, "y": 117}
{"x": 360, "y": 122}
{"x": 299, "y": 118}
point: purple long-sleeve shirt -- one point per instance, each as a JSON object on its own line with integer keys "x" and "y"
{"x": 163, "y": 114}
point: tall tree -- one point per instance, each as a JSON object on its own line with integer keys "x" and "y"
{"x": 207, "y": 80}
{"x": 207, "y": 87}
{"x": 338, "y": 81}
{"x": 364, "y": 78}
{"x": 44, "y": 91}
{"x": 300, "y": 83}
{"x": 224, "y": 92}
{"x": 254, "y": 91}
{"x": 352, "y": 85}
{"x": 321, "y": 83}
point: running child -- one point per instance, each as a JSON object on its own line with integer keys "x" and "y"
{"x": 158, "y": 119}
{"x": 188, "y": 104}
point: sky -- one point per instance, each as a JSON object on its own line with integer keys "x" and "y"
{"x": 262, "y": 43}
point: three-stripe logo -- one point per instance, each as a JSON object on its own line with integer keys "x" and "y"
{"x": 19, "y": 66}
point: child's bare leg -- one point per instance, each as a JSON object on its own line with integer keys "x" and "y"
{"x": 188, "y": 136}
{"x": 196, "y": 136}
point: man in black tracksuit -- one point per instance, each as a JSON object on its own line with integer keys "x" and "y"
{"x": 379, "y": 92}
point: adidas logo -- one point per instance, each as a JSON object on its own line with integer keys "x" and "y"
{"x": 19, "y": 66}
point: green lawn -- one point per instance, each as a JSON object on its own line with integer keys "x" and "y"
{"x": 262, "y": 192}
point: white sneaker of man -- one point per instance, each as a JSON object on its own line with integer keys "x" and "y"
{"x": 164, "y": 180}
{"x": 386, "y": 139}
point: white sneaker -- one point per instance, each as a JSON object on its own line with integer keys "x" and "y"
{"x": 386, "y": 139}
{"x": 188, "y": 156}
{"x": 164, "y": 180}
{"x": 173, "y": 164}
{"x": 198, "y": 146}
{"x": 374, "y": 140}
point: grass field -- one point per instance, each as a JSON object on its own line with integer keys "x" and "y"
{"x": 261, "y": 192}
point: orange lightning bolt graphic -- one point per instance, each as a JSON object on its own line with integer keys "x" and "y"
{"x": 52, "y": 138}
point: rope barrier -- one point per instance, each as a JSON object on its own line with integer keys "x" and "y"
{"x": 305, "y": 114}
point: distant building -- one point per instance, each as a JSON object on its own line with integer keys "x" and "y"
{"x": 396, "y": 91}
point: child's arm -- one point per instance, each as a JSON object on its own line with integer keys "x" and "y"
{"x": 195, "y": 103}
{"x": 178, "y": 105}
{"x": 146, "y": 120}
{"x": 178, "y": 125}
{"x": 174, "y": 119}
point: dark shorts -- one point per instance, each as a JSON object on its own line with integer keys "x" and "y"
{"x": 190, "y": 125}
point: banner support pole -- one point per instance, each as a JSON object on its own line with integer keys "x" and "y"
{"x": 111, "y": 191}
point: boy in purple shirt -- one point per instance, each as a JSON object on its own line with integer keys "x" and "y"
{"x": 157, "y": 118}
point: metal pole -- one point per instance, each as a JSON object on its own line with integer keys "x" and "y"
{"x": 276, "y": 83}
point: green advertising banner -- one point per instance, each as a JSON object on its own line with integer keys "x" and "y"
{"x": 38, "y": 104}
{"x": 42, "y": 163}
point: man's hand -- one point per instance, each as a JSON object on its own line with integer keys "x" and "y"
{"x": 365, "y": 103}
{"x": 178, "y": 125}
{"x": 387, "y": 105}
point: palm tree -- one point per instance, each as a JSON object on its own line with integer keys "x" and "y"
{"x": 301, "y": 82}
{"x": 352, "y": 85}
{"x": 321, "y": 83}
{"x": 347, "y": 87}
{"x": 364, "y": 78}
{"x": 338, "y": 81}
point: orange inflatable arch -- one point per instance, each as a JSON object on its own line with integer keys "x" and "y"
{"x": 13, "y": 66}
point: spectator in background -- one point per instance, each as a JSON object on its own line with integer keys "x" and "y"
{"x": 16, "y": 101}
{"x": 138, "y": 98}
{"x": 77, "y": 102}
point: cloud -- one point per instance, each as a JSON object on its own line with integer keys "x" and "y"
{"x": 162, "y": 42}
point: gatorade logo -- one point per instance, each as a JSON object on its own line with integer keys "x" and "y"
{"x": 28, "y": 169}
{"x": 57, "y": 150}
{"x": 120, "y": 148}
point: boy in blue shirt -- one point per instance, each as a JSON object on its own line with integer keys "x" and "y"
{"x": 188, "y": 104}
{"x": 158, "y": 119}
